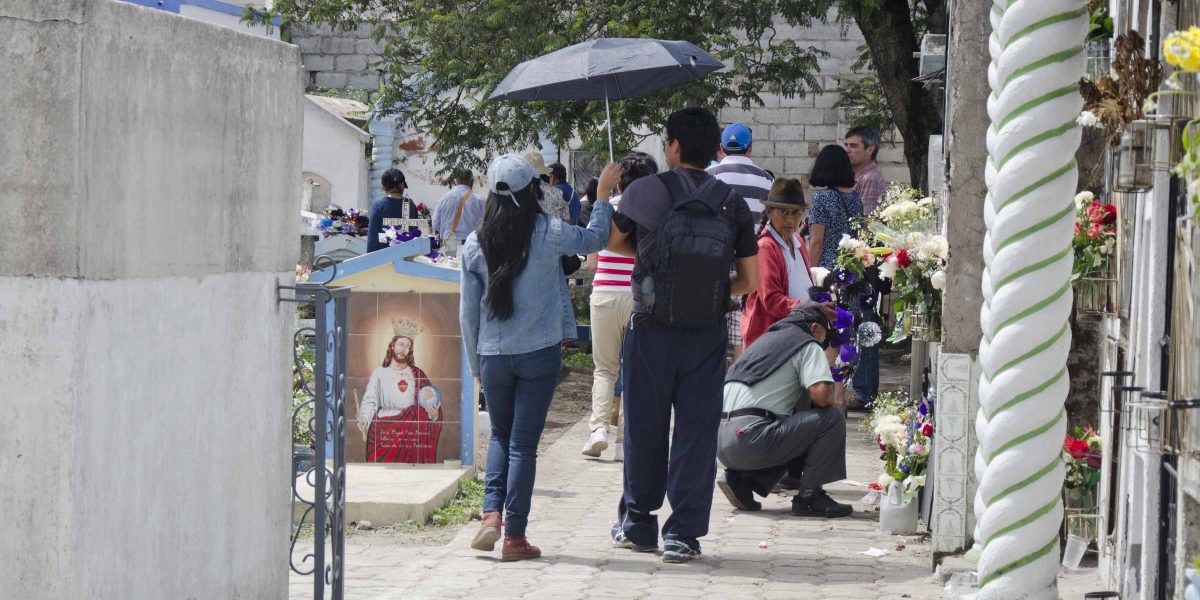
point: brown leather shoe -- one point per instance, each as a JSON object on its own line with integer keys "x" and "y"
{"x": 489, "y": 532}
{"x": 519, "y": 548}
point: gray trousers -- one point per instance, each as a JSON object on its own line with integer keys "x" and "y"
{"x": 809, "y": 445}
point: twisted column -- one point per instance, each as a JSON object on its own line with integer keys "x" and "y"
{"x": 1037, "y": 61}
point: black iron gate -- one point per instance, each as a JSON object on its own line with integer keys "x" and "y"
{"x": 320, "y": 493}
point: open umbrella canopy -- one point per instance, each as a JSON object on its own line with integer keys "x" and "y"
{"x": 606, "y": 69}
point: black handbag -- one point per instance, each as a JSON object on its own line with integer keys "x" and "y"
{"x": 570, "y": 264}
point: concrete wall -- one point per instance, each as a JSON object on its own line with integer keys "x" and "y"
{"x": 144, "y": 359}
{"x": 335, "y": 149}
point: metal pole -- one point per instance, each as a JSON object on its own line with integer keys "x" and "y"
{"x": 320, "y": 420}
{"x": 608, "y": 126}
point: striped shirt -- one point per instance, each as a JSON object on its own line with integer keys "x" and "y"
{"x": 613, "y": 271}
{"x": 749, "y": 181}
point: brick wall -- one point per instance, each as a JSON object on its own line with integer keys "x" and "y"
{"x": 339, "y": 59}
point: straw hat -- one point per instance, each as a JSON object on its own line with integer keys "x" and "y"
{"x": 786, "y": 193}
{"x": 536, "y": 161}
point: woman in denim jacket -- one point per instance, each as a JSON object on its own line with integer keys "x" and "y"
{"x": 515, "y": 313}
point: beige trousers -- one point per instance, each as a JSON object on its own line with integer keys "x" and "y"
{"x": 610, "y": 317}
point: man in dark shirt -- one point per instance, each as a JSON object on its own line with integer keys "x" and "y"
{"x": 672, "y": 368}
{"x": 389, "y": 210}
{"x": 558, "y": 179}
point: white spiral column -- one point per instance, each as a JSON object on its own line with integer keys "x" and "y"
{"x": 1037, "y": 61}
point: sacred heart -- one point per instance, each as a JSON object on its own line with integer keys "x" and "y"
{"x": 403, "y": 385}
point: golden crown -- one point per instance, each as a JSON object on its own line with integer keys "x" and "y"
{"x": 406, "y": 327}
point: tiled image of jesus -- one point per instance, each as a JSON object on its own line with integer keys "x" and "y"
{"x": 400, "y": 416}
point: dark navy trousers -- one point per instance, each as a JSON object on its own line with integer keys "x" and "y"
{"x": 680, "y": 371}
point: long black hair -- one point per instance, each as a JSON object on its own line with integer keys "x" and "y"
{"x": 505, "y": 233}
{"x": 832, "y": 168}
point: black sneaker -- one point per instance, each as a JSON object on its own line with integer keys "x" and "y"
{"x": 737, "y": 491}
{"x": 819, "y": 504}
{"x": 620, "y": 541}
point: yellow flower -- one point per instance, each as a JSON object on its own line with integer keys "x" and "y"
{"x": 1182, "y": 49}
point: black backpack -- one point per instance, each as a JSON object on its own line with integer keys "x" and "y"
{"x": 686, "y": 283}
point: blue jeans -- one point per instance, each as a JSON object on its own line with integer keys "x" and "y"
{"x": 519, "y": 388}
{"x": 866, "y": 375}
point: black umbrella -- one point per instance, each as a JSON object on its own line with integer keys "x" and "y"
{"x": 609, "y": 68}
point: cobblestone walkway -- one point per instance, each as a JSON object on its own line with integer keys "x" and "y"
{"x": 769, "y": 554}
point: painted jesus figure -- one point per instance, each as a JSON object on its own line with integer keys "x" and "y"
{"x": 400, "y": 416}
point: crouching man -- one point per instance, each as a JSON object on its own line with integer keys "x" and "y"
{"x": 780, "y": 418}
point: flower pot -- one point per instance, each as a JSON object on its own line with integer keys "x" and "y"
{"x": 897, "y": 517}
{"x": 1082, "y": 513}
{"x": 1092, "y": 294}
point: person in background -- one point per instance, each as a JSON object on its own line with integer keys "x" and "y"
{"x": 779, "y": 417}
{"x": 585, "y": 211}
{"x": 836, "y": 209}
{"x": 673, "y": 370}
{"x": 515, "y": 312}
{"x": 611, "y": 304}
{"x": 862, "y": 144}
{"x": 389, "y": 210}
{"x": 458, "y": 212}
{"x": 753, "y": 184}
{"x": 558, "y": 179}
{"x": 783, "y": 268}
{"x": 549, "y": 197}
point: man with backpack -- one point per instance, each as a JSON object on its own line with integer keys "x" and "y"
{"x": 687, "y": 230}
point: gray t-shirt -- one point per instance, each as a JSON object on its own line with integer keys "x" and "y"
{"x": 646, "y": 204}
{"x": 785, "y": 390}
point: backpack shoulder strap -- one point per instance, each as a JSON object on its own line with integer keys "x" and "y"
{"x": 674, "y": 188}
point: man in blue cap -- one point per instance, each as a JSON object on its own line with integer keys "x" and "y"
{"x": 751, "y": 183}
{"x": 737, "y": 170}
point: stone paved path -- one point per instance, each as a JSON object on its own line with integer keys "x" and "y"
{"x": 575, "y": 504}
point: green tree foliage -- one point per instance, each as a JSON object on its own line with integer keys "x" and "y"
{"x": 443, "y": 57}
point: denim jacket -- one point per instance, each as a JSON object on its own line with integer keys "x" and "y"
{"x": 542, "y": 313}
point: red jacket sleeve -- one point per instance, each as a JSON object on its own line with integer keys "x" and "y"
{"x": 772, "y": 280}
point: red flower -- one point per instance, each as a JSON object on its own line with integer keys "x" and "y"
{"x": 1110, "y": 214}
{"x": 927, "y": 430}
{"x": 421, "y": 207}
{"x": 874, "y": 486}
{"x": 902, "y": 259}
{"x": 1076, "y": 448}
{"x": 879, "y": 440}
{"x": 1076, "y": 227}
{"x": 1094, "y": 231}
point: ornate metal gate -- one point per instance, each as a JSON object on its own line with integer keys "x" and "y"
{"x": 323, "y": 417}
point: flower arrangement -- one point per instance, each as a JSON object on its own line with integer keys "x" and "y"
{"x": 1081, "y": 454}
{"x": 896, "y": 238}
{"x": 851, "y": 330}
{"x": 1181, "y": 50}
{"x": 394, "y": 236}
{"x": 342, "y": 222}
{"x": 1118, "y": 98}
{"x": 1095, "y": 236}
{"x": 902, "y": 430}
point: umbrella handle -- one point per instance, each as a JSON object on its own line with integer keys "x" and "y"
{"x": 608, "y": 120}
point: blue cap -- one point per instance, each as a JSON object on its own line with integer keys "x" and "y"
{"x": 736, "y": 137}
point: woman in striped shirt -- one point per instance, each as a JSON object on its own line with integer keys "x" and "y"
{"x": 611, "y": 303}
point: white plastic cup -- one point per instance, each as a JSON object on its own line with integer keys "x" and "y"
{"x": 1073, "y": 554}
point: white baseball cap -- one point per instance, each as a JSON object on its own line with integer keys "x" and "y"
{"x": 513, "y": 171}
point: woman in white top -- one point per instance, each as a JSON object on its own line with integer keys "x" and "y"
{"x": 400, "y": 416}
{"x": 611, "y": 304}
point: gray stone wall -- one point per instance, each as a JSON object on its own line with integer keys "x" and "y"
{"x": 339, "y": 59}
{"x": 146, "y": 380}
{"x": 788, "y": 132}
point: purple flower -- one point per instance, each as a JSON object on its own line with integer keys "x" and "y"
{"x": 843, "y": 277}
{"x": 822, "y": 297}
{"x": 904, "y": 469}
{"x": 845, "y": 320}
{"x": 924, "y": 410}
{"x": 848, "y": 353}
{"x": 347, "y": 229}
